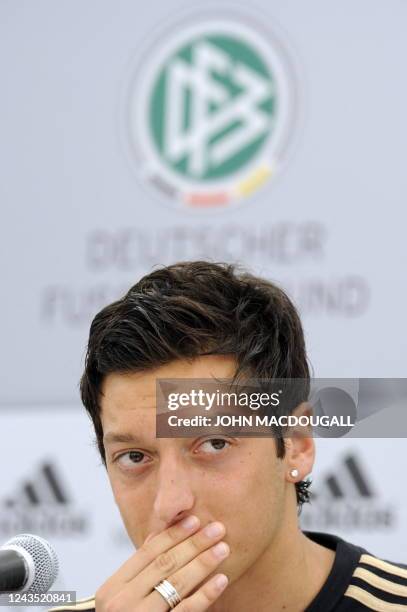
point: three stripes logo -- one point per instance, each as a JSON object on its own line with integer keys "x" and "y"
{"x": 350, "y": 481}
{"x": 348, "y": 499}
{"x": 46, "y": 487}
{"x": 42, "y": 503}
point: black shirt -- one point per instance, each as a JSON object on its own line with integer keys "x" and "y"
{"x": 357, "y": 582}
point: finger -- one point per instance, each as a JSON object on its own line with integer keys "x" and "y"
{"x": 189, "y": 577}
{"x": 149, "y": 551}
{"x": 201, "y": 600}
{"x": 167, "y": 563}
{"x": 205, "y": 596}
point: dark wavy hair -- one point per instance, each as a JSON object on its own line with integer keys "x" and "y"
{"x": 192, "y": 308}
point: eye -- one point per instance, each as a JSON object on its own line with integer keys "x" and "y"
{"x": 130, "y": 459}
{"x": 214, "y": 446}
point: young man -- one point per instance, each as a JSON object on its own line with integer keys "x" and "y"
{"x": 214, "y": 519}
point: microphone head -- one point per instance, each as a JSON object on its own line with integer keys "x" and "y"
{"x": 43, "y": 558}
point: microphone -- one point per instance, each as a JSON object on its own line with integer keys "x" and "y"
{"x": 28, "y": 564}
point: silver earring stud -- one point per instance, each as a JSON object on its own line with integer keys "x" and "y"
{"x": 294, "y": 473}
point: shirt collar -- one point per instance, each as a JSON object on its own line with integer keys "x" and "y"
{"x": 346, "y": 559}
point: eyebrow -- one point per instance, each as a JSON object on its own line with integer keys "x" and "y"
{"x": 111, "y": 437}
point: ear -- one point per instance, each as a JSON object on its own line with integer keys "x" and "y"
{"x": 299, "y": 448}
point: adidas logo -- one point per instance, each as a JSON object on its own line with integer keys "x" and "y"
{"x": 41, "y": 504}
{"x": 46, "y": 487}
{"x": 350, "y": 480}
{"x": 347, "y": 500}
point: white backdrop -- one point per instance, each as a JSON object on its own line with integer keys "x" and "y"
{"x": 82, "y": 221}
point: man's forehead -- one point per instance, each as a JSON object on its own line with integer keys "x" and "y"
{"x": 140, "y": 403}
{"x": 128, "y": 390}
{"x": 127, "y": 408}
{"x": 126, "y": 424}
{"x": 129, "y": 387}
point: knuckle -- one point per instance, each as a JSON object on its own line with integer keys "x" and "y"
{"x": 166, "y": 562}
{"x": 209, "y": 593}
{"x": 207, "y": 560}
{"x": 114, "y": 605}
{"x": 101, "y": 596}
{"x": 185, "y": 606}
{"x": 143, "y": 549}
{"x": 144, "y": 553}
{"x": 179, "y": 584}
{"x": 173, "y": 533}
{"x": 197, "y": 543}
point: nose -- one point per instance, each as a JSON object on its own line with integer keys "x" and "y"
{"x": 174, "y": 498}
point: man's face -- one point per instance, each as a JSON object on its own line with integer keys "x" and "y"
{"x": 238, "y": 481}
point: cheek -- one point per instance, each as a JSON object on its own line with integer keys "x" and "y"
{"x": 134, "y": 505}
{"x": 251, "y": 503}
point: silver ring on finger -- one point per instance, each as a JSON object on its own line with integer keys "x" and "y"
{"x": 169, "y": 593}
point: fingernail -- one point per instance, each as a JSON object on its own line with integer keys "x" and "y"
{"x": 213, "y": 530}
{"x": 190, "y": 522}
{"x": 221, "y": 581}
{"x": 221, "y": 550}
